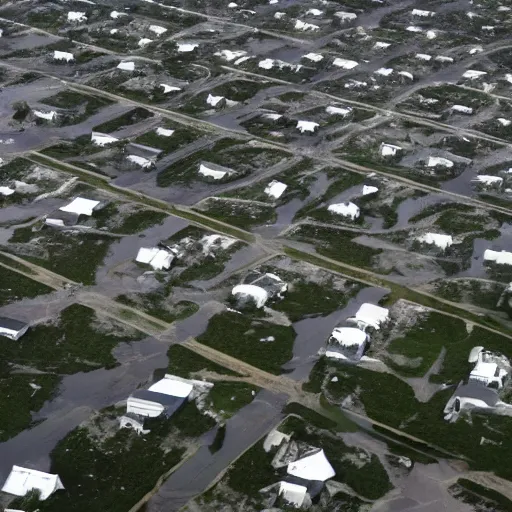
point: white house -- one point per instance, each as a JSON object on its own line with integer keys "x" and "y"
{"x": 345, "y": 63}
{"x": 441, "y": 241}
{"x": 346, "y": 209}
{"x": 314, "y": 466}
{"x": 292, "y": 493}
{"x": 462, "y": 109}
{"x": 275, "y": 189}
{"x": 389, "y": 149}
{"x": 487, "y": 180}
{"x": 102, "y": 139}
{"x": 126, "y": 66}
{"x": 80, "y": 206}
{"x": 13, "y": 329}
{"x": 498, "y": 257}
{"x": 370, "y": 315}
{"x": 21, "y": 481}
{"x": 68, "y": 57}
{"x": 260, "y": 288}
{"x": 347, "y": 343}
{"x": 158, "y": 259}
{"x": 434, "y": 161}
{"x": 490, "y": 369}
{"x": 473, "y": 73}
{"x": 307, "y": 126}
{"x": 256, "y": 293}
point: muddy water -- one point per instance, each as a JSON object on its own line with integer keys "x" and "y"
{"x": 243, "y": 429}
{"x": 411, "y": 207}
{"x": 312, "y": 333}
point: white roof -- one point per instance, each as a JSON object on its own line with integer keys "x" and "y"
{"x": 503, "y": 121}
{"x": 21, "y": 480}
{"x": 380, "y": 44}
{"x": 292, "y": 493}
{"x": 139, "y": 160}
{"x": 406, "y": 74}
{"x": 431, "y": 34}
{"x": 347, "y": 209}
{"x": 164, "y": 132}
{"x": 343, "y": 15}
{"x": 419, "y": 12}
{"x": 100, "y": 139}
{"x": 172, "y": 387}
{"x": 275, "y": 189}
{"x": 6, "y": 191}
{"x": 81, "y": 206}
{"x": 343, "y": 111}
{"x": 210, "y": 242}
{"x": 436, "y": 160}
{"x": 413, "y": 28}
{"x": 266, "y": 64}
{"x": 157, "y": 29}
{"x": 473, "y": 355}
{"x": 312, "y": 467}
{"x": 302, "y": 25}
{"x": 423, "y": 56}
{"x": 384, "y": 71}
{"x": 463, "y": 109}
{"x": 315, "y": 12}
{"x": 115, "y": 14}
{"x": 442, "y": 241}
{"x": 230, "y": 55}
{"x": 144, "y": 41}
{"x": 187, "y": 47}
{"x": 63, "y": 56}
{"x": 473, "y": 73}
{"x": 279, "y": 15}
{"x": 349, "y": 336}
{"x": 307, "y": 126}
{"x": 49, "y": 116}
{"x": 169, "y": 88}
{"x": 114, "y": 30}
{"x": 126, "y": 66}
{"x": 442, "y": 58}
{"x": 345, "y": 63}
{"x": 315, "y": 57}
{"x": 500, "y": 257}
{"x": 488, "y": 180}
{"x": 389, "y": 149}
{"x": 206, "y": 171}
{"x": 259, "y": 294}
{"x": 368, "y": 189}
{"x": 273, "y": 116}
{"x": 484, "y": 370}
{"x": 77, "y": 16}
{"x": 334, "y": 355}
{"x": 158, "y": 259}
{"x": 214, "y": 100}
{"x": 372, "y": 315}
{"x": 274, "y": 438}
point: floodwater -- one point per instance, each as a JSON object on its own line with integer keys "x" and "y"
{"x": 312, "y": 333}
{"x": 246, "y": 427}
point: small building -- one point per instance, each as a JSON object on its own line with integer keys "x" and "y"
{"x": 61, "y": 219}
{"x": 21, "y": 481}
{"x": 69, "y": 214}
{"x": 389, "y": 149}
{"x": 163, "y": 398}
{"x": 490, "y": 369}
{"x": 12, "y": 329}
{"x": 257, "y": 288}
{"x": 348, "y": 209}
{"x": 441, "y": 241}
{"x": 292, "y": 494}
{"x": 347, "y": 343}
{"x": 275, "y": 189}
{"x": 313, "y": 466}
{"x": 498, "y": 257}
{"x": 370, "y": 315}
{"x": 157, "y": 258}
{"x": 215, "y": 171}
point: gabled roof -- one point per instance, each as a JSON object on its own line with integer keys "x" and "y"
{"x": 312, "y": 467}
{"x": 21, "y": 480}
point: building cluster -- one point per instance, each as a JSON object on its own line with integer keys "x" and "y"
{"x": 350, "y": 341}
{"x": 257, "y": 289}
{"x": 489, "y": 375}
{"x": 305, "y": 472}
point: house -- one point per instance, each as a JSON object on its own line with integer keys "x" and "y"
{"x": 307, "y": 126}
{"x": 69, "y": 214}
{"x": 164, "y": 397}
{"x": 490, "y": 369}
{"x": 143, "y": 156}
{"x": 370, "y": 315}
{"x": 156, "y": 257}
{"x": 13, "y": 329}
{"x": 347, "y": 343}
{"x": 21, "y": 481}
{"x": 275, "y": 189}
{"x": 293, "y": 494}
{"x": 498, "y": 257}
{"x": 441, "y": 241}
{"x": 470, "y": 396}
{"x": 435, "y": 161}
{"x": 345, "y": 209}
{"x": 389, "y": 149}
{"x": 217, "y": 172}
{"x": 257, "y": 288}
{"x": 313, "y": 466}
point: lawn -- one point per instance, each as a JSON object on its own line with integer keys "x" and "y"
{"x": 242, "y": 215}
{"x": 239, "y": 336}
{"x": 131, "y": 117}
{"x": 226, "y": 398}
{"x": 184, "y": 363}
{"x": 14, "y": 286}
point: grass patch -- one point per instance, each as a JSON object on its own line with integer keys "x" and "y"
{"x": 113, "y": 474}
{"x": 425, "y": 341}
{"x": 242, "y": 215}
{"x": 304, "y": 299}
{"x": 140, "y": 221}
{"x": 72, "y": 255}
{"x": 310, "y": 416}
{"x": 184, "y": 363}
{"x": 191, "y": 422}
{"x": 337, "y": 244}
{"x": 18, "y": 399}
{"x": 15, "y": 286}
{"x": 72, "y": 345}
{"x": 131, "y": 117}
{"x": 226, "y": 398}
{"x": 239, "y": 336}
{"x": 181, "y": 137}
{"x": 476, "y": 494}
